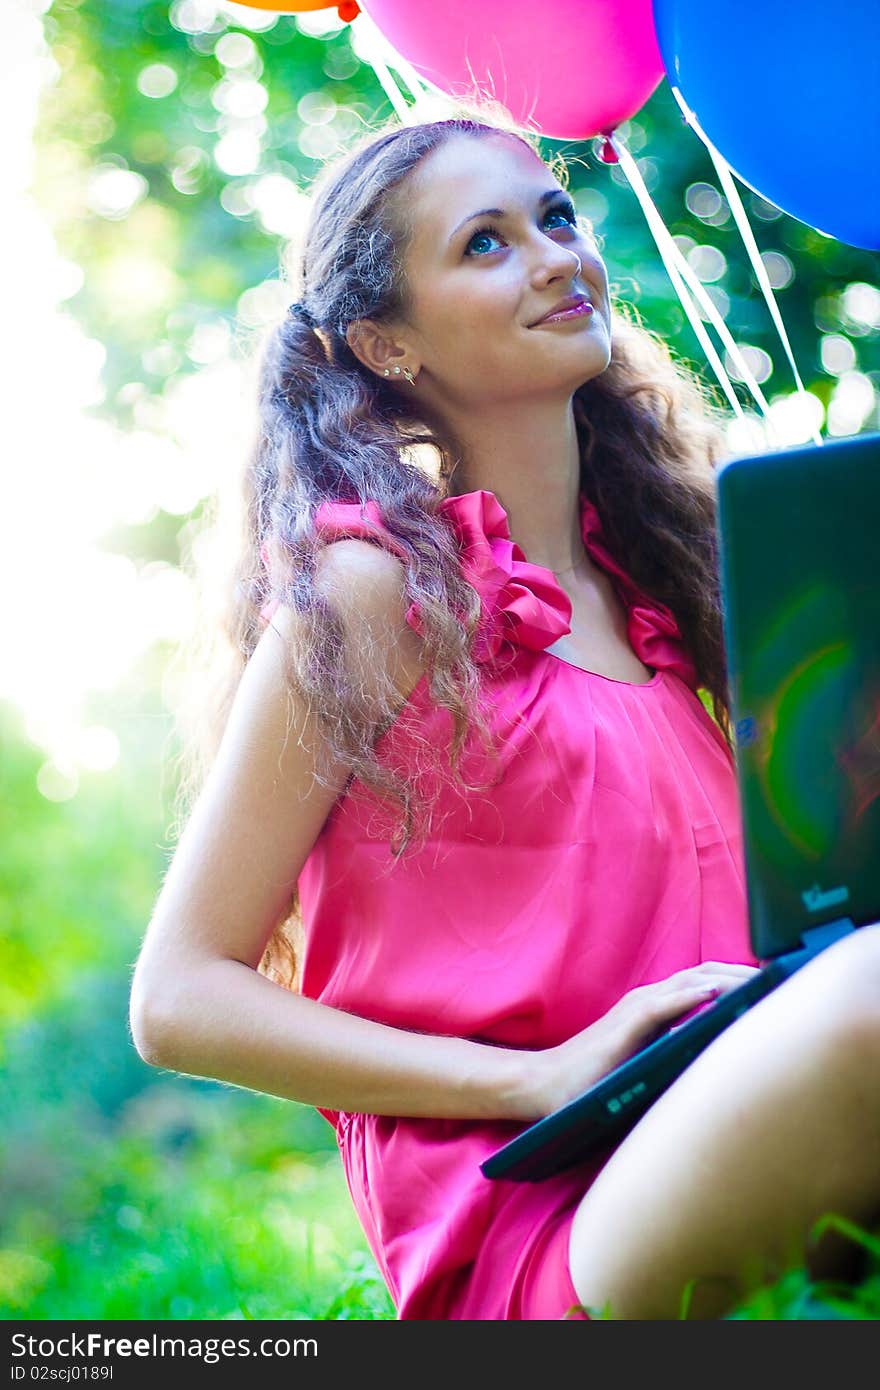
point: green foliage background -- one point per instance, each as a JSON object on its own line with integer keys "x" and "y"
{"x": 128, "y": 1192}
{"x": 95, "y": 115}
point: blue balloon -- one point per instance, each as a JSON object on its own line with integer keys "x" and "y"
{"x": 789, "y": 95}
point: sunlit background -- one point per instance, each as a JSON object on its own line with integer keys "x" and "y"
{"x": 155, "y": 175}
{"x": 126, "y": 401}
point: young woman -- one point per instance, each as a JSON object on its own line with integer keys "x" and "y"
{"x": 465, "y": 756}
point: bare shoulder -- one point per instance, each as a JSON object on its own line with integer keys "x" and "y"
{"x": 365, "y": 584}
{"x": 263, "y": 807}
{"x": 363, "y": 576}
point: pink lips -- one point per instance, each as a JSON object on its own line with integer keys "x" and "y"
{"x": 578, "y": 311}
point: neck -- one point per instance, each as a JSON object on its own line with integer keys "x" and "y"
{"x": 530, "y": 458}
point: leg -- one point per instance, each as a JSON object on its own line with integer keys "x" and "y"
{"x": 777, "y": 1122}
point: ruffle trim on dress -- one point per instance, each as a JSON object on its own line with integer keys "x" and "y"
{"x": 521, "y": 603}
{"x": 653, "y": 632}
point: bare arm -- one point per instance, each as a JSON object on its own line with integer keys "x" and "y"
{"x": 243, "y": 1028}
{"x": 198, "y": 1003}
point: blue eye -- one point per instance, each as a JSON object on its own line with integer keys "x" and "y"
{"x": 565, "y": 210}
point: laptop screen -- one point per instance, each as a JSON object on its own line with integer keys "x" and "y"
{"x": 799, "y": 550}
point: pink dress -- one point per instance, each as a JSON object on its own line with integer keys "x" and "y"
{"x": 608, "y": 855}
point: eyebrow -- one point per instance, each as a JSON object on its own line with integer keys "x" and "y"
{"x": 499, "y": 212}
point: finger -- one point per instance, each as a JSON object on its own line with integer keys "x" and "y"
{"x": 708, "y": 972}
{"x": 726, "y": 984}
{"x": 664, "y": 1006}
{"x": 726, "y": 981}
{"x": 734, "y": 967}
{"x": 720, "y": 971}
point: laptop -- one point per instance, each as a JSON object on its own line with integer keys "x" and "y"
{"x": 799, "y": 552}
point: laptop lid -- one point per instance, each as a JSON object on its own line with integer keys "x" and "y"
{"x": 799, "y": 554}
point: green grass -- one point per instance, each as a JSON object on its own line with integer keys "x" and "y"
{"x": 134, "y": 1193}
{"x": 128, "y": 1192}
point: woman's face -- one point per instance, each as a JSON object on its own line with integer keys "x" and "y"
{"x": 478, "y": 284}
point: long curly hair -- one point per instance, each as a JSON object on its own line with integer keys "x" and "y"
{"x": 650, "y": 434}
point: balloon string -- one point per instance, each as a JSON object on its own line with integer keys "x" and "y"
{"x": 680, "y": 272}
{"x": 417, "y": 86}
{"x": 392, "y": 91}
{"x": 369, "y": 45}
{"x": 742, "y": 222}
{"x": 374, "y": 47}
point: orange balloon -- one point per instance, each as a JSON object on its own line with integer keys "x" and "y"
{"x": 347, "y": 9}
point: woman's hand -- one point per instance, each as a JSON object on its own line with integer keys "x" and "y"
{"x": 565, "y": 1071}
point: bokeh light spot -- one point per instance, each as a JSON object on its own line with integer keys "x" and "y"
{"x": 157, "y": 81}
{"x": 759, "y": 363}
{"x": 113, "y": 192}
{"x": 861, "y": 304}
{"x": 707, "y": 263}
{"x": 57, "y": 783}
{"x": 780, "y": 271}
{"x": 237, "y": 51}
{"x": 837, "y": 354}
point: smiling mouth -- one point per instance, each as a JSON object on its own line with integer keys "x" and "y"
{"x": 578, "y": 311}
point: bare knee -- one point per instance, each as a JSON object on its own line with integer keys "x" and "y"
{"x": 776, "y": 1123}
{"x": 860, "y": 949}
{"x": 843, "y": 988}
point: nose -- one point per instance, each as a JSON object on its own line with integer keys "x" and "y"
{"x": 557, "y": 262}
{"x": 570, "y": 268}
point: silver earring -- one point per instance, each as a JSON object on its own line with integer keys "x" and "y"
{"x": 406, "y": 372}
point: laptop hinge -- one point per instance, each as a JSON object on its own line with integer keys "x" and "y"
{"x": 817, "y": 938}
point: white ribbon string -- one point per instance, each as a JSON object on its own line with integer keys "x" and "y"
{"x": 725, "y": 177}
{"x": 731, "y": 193}
{"x": 680, "y": 272}
{"x": 417, "y": 86}
{"x": 391, "y": 89}
{"x": 372, "y": 45}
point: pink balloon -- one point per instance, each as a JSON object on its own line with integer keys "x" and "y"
{"x": 564, "y": 68}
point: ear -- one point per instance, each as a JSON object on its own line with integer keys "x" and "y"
{"x": 375, "y": 346}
